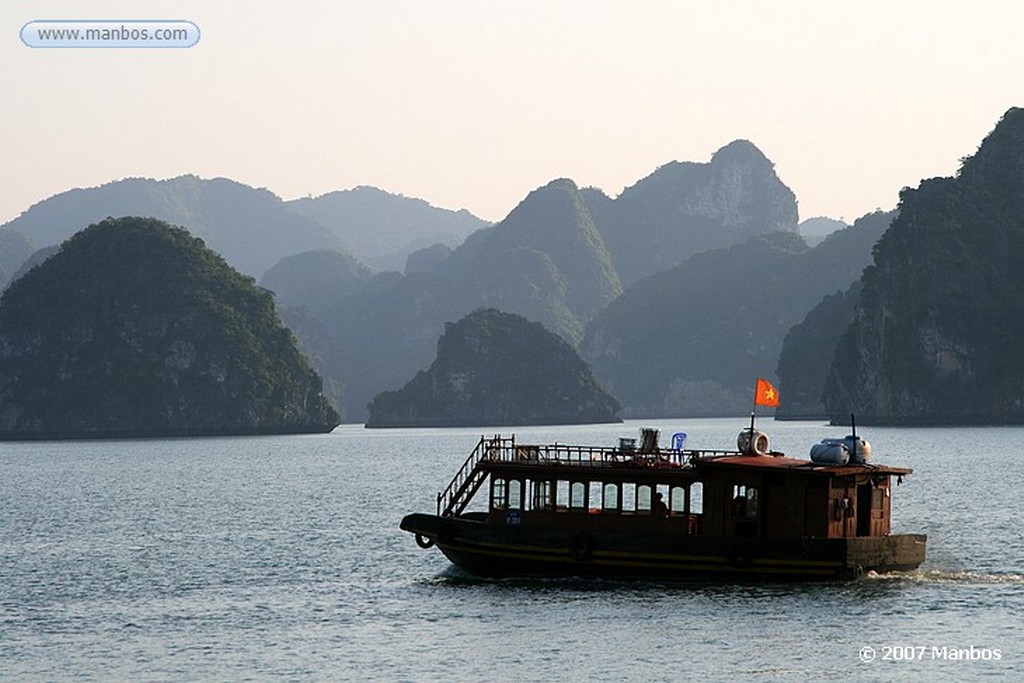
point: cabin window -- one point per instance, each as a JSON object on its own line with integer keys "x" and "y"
{"x": 744, "y": 501}
{"x": 697, "y": 498}
{"x": 578, "y": 495}
{"x": 677, "y": 500}
{"x": 561, "y": 495}
{"x": 543, "y": 495}
{"x": 643, "y": 498}
{"x": 595, "y": 492}
{"x": 499, "y": 493}
{"x": 878, "y": 503}
{"x": 610, "y": 497}
{"x": 628, "y": 498}
{"x": 515, "y": 494}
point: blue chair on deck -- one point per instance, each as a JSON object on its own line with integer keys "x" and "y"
{"x": 678, "y": 441}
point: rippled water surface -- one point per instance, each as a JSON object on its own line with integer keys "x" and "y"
{"x": 281, "y": 558}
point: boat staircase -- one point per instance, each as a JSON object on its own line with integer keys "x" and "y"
{"x": 466, "y": 482}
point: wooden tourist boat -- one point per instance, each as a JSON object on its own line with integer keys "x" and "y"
{"x": 668, "y": 513}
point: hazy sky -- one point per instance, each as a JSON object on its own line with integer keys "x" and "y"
{"x": 473, "y": 104}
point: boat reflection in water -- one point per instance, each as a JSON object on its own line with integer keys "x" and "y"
{"x": 642, "y": 511}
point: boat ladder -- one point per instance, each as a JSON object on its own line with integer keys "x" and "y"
{"x": 466, "y": 482}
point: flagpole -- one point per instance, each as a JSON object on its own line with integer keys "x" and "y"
{"x": 753, "y": 411}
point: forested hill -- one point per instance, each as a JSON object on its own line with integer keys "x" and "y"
{"x": 495, "y": 368}
{"x": 936, "y": 338}
{"x": 135, "y": 328}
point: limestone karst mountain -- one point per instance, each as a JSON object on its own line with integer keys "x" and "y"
{"x": 136, "y": 329}
{"x": 495, "y": 368}
{"x": 936, "y": 335}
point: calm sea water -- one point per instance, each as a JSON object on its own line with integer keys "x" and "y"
{"x": 281, "y": 558}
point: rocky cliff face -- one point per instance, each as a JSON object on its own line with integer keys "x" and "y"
{"x": 684, "y": 208}
{"x": 937, "y": 332}
{"x": 494, "y": 368}
{"x": 134, "y": 328}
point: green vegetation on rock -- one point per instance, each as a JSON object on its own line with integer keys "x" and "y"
{"x": 135, "y": 328}
{"x": 936, "y": 337}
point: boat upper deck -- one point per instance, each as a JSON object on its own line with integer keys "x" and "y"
{"x": 782, "y": 463}
{"x": 505, "y": 453}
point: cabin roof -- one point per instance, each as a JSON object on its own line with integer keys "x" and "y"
{"x": 769, "y": 463}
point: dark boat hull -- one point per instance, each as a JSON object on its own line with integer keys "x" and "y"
{"x": 497, "y": 551}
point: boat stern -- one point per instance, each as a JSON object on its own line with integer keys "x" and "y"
{"x": 895, "y": 553}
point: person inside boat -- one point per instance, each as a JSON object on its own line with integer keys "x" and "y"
{"x": 659, "y": 509}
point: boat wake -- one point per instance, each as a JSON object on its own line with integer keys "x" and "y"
{"x": 938, "y": 576}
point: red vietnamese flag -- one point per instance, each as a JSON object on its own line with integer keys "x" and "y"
{"x": 765, "y": 394}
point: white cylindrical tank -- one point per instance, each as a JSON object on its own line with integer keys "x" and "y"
{"x": 830, "y": 452}
{"x": 862, "y": 453}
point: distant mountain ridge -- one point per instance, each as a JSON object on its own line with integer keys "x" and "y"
{"x": 555, "y": 259}
{"x": 560, "y": 257}
{"x": 254, "y": 228}
{"x": 251, "y": 228}
{"x": 382, "y": 228}
{"x": 689, "y": 341}
{"x": 684, "y": 208}
{"x": 816, "y": 229}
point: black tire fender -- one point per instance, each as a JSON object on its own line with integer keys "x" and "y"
{"x": 424, "y": 542}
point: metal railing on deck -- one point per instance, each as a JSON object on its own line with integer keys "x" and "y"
{"x": 468, "y": 479}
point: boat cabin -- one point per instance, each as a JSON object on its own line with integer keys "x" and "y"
{"x": 653, "y": 490}
{"x": 778, "y": 497}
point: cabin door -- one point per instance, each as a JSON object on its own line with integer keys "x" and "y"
{"x": 864, "y": 509}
